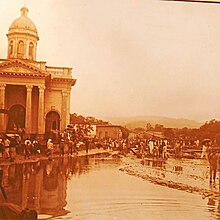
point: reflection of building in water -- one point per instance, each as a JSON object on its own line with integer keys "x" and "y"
{"x": 36, "y": 96}
{"x": 43, "y": 185}
{"x": 53, "y": 191}
{"x": 40, "y": 186}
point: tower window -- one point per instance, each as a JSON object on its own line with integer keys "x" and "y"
{"x": 31, "y": 51}
{"x": 21, "y": 48}
{"x": 10, "y": 49}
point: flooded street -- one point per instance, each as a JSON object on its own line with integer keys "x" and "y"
{"x": 94, "y": 188}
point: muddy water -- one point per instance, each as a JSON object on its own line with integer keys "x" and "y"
{"x": 94, "y": 188}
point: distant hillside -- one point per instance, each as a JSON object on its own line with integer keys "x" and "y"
{"x": 134, "y": 122}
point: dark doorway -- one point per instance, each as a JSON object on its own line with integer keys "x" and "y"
{"x": 16, "y": 119}
{"x": 52, "y": 122}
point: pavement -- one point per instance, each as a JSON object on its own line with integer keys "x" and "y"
{"x": 19, "y": 159}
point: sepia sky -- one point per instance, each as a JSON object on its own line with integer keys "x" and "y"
{"x": 130, "y": 57}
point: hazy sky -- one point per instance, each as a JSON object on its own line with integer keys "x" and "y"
{"x": 130, "y": 57}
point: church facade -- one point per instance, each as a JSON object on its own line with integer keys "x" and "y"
{"x": 34, "y": 97}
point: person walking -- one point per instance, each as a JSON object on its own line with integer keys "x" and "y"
{"x": 160, "y": 149}
{"x": 36, "y": 147}
{"x": 27, "y": 149}
{"x": 177, "y": 149}
{"x": 61, "y": 146}
{"x": 204, "y": 153}
{"x": 70, "y": 147}
{"x": 87, "y": 145}
{"x": 164, "y": 154}
{"x": 50, "y": 148}
{"x": 151, "y": 146}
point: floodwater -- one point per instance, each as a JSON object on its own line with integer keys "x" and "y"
{"x": 93, "y": 188}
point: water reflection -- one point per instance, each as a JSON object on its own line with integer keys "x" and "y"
{"x": 214, "y": 201}
{"x": 154, "y": 163}
{"x": 93, "y": 188}
{"x": 42, "y": 185}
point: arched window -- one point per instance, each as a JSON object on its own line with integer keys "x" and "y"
{"x": 20, "y": 48}
{"x": 10, "y": 48}
{"x": 31, "y": 51}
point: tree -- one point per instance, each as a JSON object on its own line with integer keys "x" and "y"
{"x": 210, "y": 129}
{"x": 79, "y": 119}
{"x": 149, "y": 127}
{"x": 125, "y": 132}
{"x": 81, "y": 126}
{"x": 169, "y": 133}
{"x": 158, "y": 127}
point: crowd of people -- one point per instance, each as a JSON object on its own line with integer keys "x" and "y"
{"x": 12, "y": 145}
{"x": 68, "y": 143}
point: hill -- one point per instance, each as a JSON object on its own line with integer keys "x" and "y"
{"x": 134, "y": 122}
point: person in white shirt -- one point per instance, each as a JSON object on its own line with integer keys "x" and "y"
{"x": 50, "y": 147}
{"x": 204, "y": 151}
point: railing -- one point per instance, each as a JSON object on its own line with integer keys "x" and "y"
{"x": 63, "y": 72}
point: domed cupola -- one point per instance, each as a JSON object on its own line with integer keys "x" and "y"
{"x": 22, "y": 37}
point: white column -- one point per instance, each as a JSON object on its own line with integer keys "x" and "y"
{"x": 64, "y": 110}
{"x": 28, "y": 126}
{"x": 41, "y": 121}
{"x": 68, "y": 108}
{"x": 2, "y": 96}
{"x": 2, "y": 106}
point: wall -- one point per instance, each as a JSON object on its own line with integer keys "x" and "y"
{"x": 111, "y": 132}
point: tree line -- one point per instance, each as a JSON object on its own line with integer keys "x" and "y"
{"x": 208, "y": 130}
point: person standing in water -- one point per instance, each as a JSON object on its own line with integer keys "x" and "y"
{"x": 50, "y": 148}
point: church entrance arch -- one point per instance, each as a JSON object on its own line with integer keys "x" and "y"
{"x": 16, "y": 119}
{"x": 52, "y": 122}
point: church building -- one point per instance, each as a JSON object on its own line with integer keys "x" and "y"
{"x": 34, "y": 97}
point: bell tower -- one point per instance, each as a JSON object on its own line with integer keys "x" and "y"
{"x": 22, "y": 38}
